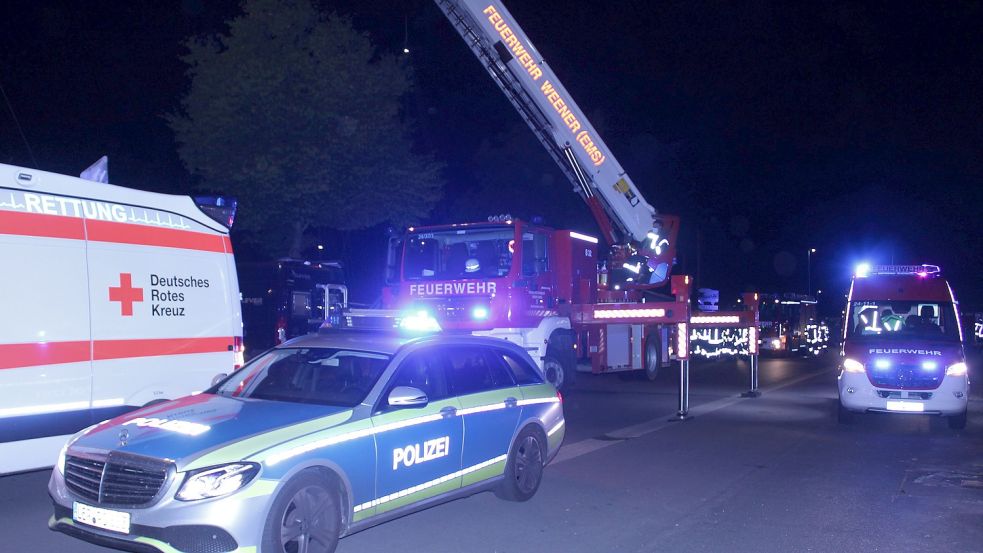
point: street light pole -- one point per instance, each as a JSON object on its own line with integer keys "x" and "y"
{"x": 809, "y": 253}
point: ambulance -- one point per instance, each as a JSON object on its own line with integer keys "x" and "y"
{"x": 903, "y": 345}
{"x": 110, "y": 299}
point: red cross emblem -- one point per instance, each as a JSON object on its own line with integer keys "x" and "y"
{"x": 125, "y": 294}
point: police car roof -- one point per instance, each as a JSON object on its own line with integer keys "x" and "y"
{"x": 387, "y": 341}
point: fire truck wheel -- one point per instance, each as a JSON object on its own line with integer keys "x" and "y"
{"x": 560, "y": 364}
{"x": 524, "y": 467}
{"x": 957, "y": 422}
{"x": 653, "y": 357}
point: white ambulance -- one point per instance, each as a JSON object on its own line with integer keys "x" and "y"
{"x": 110, "y": 299}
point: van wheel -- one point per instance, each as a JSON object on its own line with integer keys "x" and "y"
{"x": 524, "y": 466}
{"x": 844, "y": 415}
{"x": 957, "y": 422}
{"x": 305, "y": 517}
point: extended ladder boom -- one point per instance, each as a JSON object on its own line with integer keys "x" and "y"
{"x": 544, "y": 103}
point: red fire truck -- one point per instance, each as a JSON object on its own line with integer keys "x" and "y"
{"x": 540, "y": 287}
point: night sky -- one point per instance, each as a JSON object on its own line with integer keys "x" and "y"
{"x": 770, "y": 127}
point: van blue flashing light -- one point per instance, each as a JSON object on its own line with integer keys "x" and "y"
{"x": 923, "y": 270}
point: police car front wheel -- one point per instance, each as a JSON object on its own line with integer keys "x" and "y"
{"x": 524, "y": 467}
{"x": 304, "y": 518}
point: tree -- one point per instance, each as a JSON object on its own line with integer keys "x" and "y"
{"x": 296, "y": 114}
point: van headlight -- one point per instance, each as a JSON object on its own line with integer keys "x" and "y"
{"x": 958, "y": 369}
{"x": 216, "y": 481}
{"x": 852, "y": 366}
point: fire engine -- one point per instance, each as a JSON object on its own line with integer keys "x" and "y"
{"x": 548, "y": 290}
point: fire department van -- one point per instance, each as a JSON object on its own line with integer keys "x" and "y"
{"x": 902, "y": 345}
{"x": 110, "y": 299}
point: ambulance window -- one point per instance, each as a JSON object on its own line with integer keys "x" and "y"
{"x": 423, "y": 370}
{"x": 471, "y": 370}
{"x": 521, "y": 370}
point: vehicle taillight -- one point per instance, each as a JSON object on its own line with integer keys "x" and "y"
{"x": 280, "y": 334}
{"x": 239, "y": 350}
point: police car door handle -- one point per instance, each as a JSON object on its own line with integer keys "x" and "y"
{"x": 511, "y": 402}
{"x": 448, "y": 411}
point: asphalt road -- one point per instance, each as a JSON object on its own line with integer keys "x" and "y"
{"x": 769, "y": 474}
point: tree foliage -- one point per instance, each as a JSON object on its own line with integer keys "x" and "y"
{"x": 297, "y": 114}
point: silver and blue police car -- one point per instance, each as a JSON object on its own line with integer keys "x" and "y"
{"x": 318, "y": 438}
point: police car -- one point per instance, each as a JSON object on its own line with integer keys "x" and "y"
{"x": 318, "y": 438}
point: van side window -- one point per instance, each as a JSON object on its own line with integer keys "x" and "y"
{"x": 472, "y": 370}
{"x": 521, "y": 370}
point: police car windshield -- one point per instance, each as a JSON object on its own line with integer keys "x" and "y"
{"x": 459, "y": 253}
{"x": 325, "y": 376}
{"x": 902, "y": 320}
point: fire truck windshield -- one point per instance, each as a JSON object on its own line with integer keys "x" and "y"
{"x": 902, "y": 320}
{"x": 481, "y": 252}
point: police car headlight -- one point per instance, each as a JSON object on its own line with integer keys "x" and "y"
{"x": 216, "y": 481}
{"x": 958, "y": 369}
{"x": 852, "y": 366}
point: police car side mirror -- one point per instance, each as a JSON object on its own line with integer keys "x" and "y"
{"x": 218, "y": 378}
{"x": 407, "y": 396}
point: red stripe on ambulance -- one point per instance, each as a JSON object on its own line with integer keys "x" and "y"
{"x": 13, "y": 356}
{"x": 125, "y": 233}
{"x": 47, "y": 226}
{"x": 75, "y": 228}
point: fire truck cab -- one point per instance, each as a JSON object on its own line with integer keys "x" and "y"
{"x": 902, "y": 345}
{"x": 505, "y": 278}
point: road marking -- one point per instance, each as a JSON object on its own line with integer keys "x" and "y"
{"x": 591, "y": 445}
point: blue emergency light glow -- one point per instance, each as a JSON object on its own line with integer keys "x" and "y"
{"x": 479, "y": 313}
{"x": 862, "y": 270}
{"x": 420, "y": 321}
{"x": 929, "y": 365}
{"x": 882, "y": 364}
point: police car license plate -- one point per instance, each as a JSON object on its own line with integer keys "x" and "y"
{"x": 114, "y": 521}
{"x": 907, "y": 406}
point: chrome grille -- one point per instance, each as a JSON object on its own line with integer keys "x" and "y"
{"x": 119, "y": 479}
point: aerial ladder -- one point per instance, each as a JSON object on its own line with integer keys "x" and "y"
{"x": 549, "y": 290}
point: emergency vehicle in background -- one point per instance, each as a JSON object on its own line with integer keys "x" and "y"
{"x": 540, "y": 287}
{"x": 790, "y": 325}
{"x": 903, "y": 345}
{"x": 111, "y": 299}
{"x": 287, "y": 298}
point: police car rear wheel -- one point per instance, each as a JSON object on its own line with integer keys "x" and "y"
{"x": 305, "y": 517}
{"x": 524, "y": 467}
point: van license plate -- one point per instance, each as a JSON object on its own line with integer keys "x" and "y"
{"x": 907, "y": 406}
{"x": 114, "y": 521}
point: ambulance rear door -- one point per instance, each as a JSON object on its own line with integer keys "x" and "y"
{"x": 45, "y": 369}
{"x": 164, "y": 300}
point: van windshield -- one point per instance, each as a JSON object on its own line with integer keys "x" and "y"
{"x": 902, "y": 320}
{"x": 325, "y": 376}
